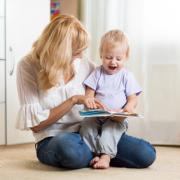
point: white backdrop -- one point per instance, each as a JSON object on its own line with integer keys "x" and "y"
{"x": 153, "y": 29}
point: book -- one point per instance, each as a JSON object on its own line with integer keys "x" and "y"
{"x": 104, "y": 113}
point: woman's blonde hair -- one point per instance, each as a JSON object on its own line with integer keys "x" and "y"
{"x": 63, "y": 37}
{"x": 112, "y": 39}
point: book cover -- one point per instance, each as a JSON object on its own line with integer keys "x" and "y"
{"x": 104, "y": 113}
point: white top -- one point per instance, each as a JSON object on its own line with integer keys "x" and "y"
{"x": 36, "y": 105}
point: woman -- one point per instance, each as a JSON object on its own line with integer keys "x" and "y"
{"x": 49, "y": 81}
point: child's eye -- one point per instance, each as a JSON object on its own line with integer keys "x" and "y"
{"x": 108, "y": 57}
{"x": 119, "y": 59}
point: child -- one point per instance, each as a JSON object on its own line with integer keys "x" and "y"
{"x": 116, "y": 88}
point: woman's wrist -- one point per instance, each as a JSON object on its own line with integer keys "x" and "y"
{"x": 78, "y": 99}
{"x": 74, "y": 100}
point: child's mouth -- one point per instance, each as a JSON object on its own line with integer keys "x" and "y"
{"x": 112, "y": 67}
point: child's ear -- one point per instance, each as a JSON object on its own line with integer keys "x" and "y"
{"x": 127, "y": 53}
{"x": 125, "y": 58}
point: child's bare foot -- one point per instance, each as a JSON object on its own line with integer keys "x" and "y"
{"x": 94, "y": 161}
{"x": 103, "y": 162}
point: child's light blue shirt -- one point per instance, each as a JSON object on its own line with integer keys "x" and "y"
{"x": 113, "y": 90}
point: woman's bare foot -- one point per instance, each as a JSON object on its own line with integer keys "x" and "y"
{"x": 103, "y": 162}
{"x": 94, "y": 161}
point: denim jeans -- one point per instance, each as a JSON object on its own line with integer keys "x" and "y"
{"x": 68, "y": 150}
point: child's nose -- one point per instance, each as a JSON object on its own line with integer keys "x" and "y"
{"x": 113, "y": 60}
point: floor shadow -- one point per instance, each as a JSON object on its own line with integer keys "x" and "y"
{"x": 38, "y": 166}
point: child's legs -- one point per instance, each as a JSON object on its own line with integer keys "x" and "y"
{"x": 111, "y": 133}
{"x": 134, "y": 153}
{"x": 89, "y": 132}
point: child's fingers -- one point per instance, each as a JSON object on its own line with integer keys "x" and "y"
{"x": 117, "y": 110}
{"x": 128, "y": 110}
{"x": 99, "y": 104}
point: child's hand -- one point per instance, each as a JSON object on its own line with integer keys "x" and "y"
{"x": 128, "y": 108}
{"x": 131, "y": 104}
{"x": 90, "y": 103}
{"x": 119, "y": 110}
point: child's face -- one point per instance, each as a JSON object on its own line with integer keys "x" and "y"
{"x": 113, "y": 60}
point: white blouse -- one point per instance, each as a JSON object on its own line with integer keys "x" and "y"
{"x": 35, "y": 105}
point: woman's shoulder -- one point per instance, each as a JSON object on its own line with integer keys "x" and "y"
{"x": 27, "y": 62}
{"x": 27, "y": 66}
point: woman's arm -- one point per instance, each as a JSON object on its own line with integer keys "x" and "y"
{"x": 31, "y": 114}
{"x": 59, "y": 111}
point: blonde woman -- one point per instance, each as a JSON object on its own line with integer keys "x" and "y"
{"x": 51, "y": 93}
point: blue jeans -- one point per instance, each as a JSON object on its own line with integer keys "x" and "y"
{"x": 68, "y": 150}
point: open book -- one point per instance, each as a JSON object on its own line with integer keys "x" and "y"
{"x": 104, "y": 113}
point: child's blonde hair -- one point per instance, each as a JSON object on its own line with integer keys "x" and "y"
{"x": 63, "y": 37}
{"x": 112, "y": 39}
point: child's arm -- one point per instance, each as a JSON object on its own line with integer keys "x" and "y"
{"x": 90, "y": 101}
{"x": 131, "y": 103}
{"x": 89, "y": 92}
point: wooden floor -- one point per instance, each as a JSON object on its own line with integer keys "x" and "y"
{"x": 19, "y": 163}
